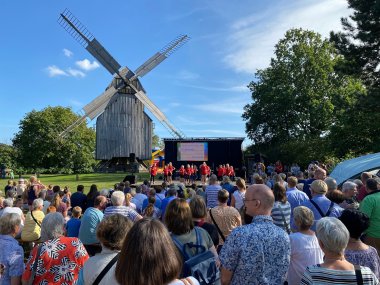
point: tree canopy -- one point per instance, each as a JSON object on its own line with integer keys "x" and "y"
{"x": 359, "y": 44}
{"x": 297, "y": 98}
{"x": 38, "y": 145}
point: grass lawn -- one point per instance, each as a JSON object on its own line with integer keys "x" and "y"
{"x": 102, "y": 180}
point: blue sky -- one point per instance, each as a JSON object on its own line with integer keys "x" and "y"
{"x": 201, "y": 88}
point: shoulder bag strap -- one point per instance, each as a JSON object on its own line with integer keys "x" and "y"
{"x": 34, "y": 219}
{"x": 106, "y": 269}
{"x": 284, "y": 220}
{"x": 216, "y": 225}
{"x": 180, "y": 247}
{"x": 330, "y": 209}
{"x": 34, "y": 268}
{"x": 318, "y": 209}
{"x": 359, "y": 276}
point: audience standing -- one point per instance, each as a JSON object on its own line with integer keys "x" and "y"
{"x": 11, "y": 254}
{"x": 304, "y": 245}
{"x": 224, "y": 217}
{"x": 89, "y": 223}
{"x": 281, "y": 209}
{"x": 319, "y": 204}
{"x": 111, "y": 233}
{"x": 333, "y": 238}
{"x": 356, "y": 251}
{"x": 59, "y": 258}
{"x": 33, "y": 221}
{"x": 212, "y": 192}
{"x": 257, "y": 253}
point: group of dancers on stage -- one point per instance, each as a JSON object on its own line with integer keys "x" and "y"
{"x": 190, "y": 172}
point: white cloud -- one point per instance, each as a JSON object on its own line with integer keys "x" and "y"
{"x": 252, "y": 38}
{"x": 193, "y": 122}
{"x": 87, "y": 65}
{"x": 67, "y": 53}
{"x": 54, "y": 71}
{"x": 76, "y": 73}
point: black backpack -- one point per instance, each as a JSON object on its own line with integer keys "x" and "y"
{"x": 202, "y": 266}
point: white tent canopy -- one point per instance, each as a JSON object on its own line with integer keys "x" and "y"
{"x": 352, "y": 167}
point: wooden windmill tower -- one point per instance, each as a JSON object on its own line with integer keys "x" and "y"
{"x": 123, "y": 129}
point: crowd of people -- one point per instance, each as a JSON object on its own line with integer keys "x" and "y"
{"x": 282, "y": 228}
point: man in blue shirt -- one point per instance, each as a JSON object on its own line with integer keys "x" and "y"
{"x": 258, "y": 253}
{"x": 89, "y": 223}
{"x": 319, "y": 204}
{"x": 295, "y": 197}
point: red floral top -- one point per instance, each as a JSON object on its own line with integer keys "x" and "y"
{"x": 59, "y": 262}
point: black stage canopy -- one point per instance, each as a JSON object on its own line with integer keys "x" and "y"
{"x": 214, "y": 151}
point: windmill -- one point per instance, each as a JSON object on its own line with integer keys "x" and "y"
{"x": 123, "y": 129}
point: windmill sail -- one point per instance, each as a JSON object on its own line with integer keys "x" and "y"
{"x": 160, "y": 56}
{"x": 127, "y": 78}
{"x": 158, "y": 114}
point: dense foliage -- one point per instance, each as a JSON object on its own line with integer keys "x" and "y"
{"x": 298, "y": 99}
{"x": 39, "y": 147}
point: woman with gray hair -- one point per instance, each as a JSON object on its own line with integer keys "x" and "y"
{"x": 11, "y": 254}
{"x": 333, "y": 238}
{"x": 33, "y": 220}
{"x": 304, "y": 245}
{"x": 58, "y": 259}
{"x": 349, "y": 190}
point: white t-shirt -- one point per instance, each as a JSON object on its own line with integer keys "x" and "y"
{"x": 15, "y": 210}
{"x": 239, "y": 199}
{"x": 305, "y": 251}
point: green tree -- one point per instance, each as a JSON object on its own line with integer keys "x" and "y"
{"x": 294, "y": 99}
{"x": 359, "y": 44}
{"x": 157, "y": 141}
{"x": 7, "y": 155}
{"x": 39, "y": 146}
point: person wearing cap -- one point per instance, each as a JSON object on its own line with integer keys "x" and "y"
{"x": 319, "y": 204}
{"x": 370, "y": 207}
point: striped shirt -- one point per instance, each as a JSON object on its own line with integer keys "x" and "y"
{"x": 318, "y": 275}
{"x": 122, "y": 210}
{"x": 212, "y": 195}
{"x": 278, "y": 220}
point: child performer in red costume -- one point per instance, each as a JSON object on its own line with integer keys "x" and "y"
{"x": 153, "y": 172}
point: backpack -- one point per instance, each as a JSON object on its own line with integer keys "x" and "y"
{"x": 202, "y": 266}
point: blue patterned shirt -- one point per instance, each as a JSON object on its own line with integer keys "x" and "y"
{"x": 11, "y": 259}
{"x": 257, "y": 253}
